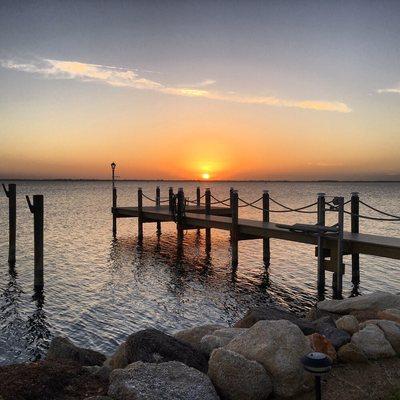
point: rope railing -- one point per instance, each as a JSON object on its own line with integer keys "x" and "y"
{"x": 380, "y": 211}
{"x": 299, "y": 209}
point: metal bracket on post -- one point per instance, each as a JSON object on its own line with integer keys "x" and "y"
{"x": 30, "y": 205}
{"x": 7, "y": 193}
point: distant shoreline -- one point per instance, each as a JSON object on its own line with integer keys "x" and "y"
{"x": 202, "y": 181}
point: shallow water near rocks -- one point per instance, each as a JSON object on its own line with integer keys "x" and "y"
{"x": 98, "y": 289}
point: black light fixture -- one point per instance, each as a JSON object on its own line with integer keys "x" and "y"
{"x": 317, "y": 364}
{"x": 113, "y": 165}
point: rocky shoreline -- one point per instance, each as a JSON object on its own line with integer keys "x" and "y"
{"x": 256, "y": 359}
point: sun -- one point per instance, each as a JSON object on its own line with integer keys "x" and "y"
{"x": 206, "y": 175}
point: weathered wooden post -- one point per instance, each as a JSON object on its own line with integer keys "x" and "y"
{"x": 114, "y": 200}
{"x": 37, "y": 209}
{"x": 180, "y": 213}
{"x": 158, "y": 204}
{"x": 140, "y": 213}
{"x": 355, "y": 228}
{"x": 320, "y": 245}
{"x": 338, "y": 275}
{"x": 198, "y": 201}
{"x": 234, "y": 203}
{"x": 208, "y": 212}
{"x": 171, "y": 199}
{"x": 266, "y": 244}
{"x": 11, "y": 193}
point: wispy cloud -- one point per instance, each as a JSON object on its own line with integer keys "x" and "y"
{"x": 130, "y": 78}
{"x": 395, "y": 89}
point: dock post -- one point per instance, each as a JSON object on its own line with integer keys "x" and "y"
{"x": 114, "y": 199}
{"x": 266, "y": 244}
{"x": 198, "y": 201}
{"x": 11, "y": 193}
{"x": 208, "y": 212}
{"x": 320, "y": 246}
{"x": 338, "y": 275}
{"x": 234, "y": 202}
{"x": 180, "y": 213}
{"x": 158, "y": 204}
{"x": 171, "y": 199}
{"x": 355, "y": 228}
{"x": 140, "y": 213}
{"x": 37, "y": 209}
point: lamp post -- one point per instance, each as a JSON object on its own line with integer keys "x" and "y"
{"x": 113, "y": 165}
{"x": 317, "y": 364}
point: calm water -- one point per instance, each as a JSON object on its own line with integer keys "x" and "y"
{"x": 99, "y": 290}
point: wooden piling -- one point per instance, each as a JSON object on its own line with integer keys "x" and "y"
{"x": 171, "y": 199}
{"x": 198, "y": 200}
{"x": 234, "y": 203}
{"x": 180, "y": 213}
{"x": 355, "y": 228}
{"x": 158, "y": 204}
{"x": 208, "y": 212}
{"x": 320, "y": 246}
{"x": 37, "y": 209}
{"x": 11, "y": 193}
{"x": 140, "y": 213}
{"x": 338, "y": 275}
{"x": 266, "y": 242}
{"x": 114, "y": 206}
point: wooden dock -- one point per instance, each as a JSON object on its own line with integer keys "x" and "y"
{"x": 331, "y": 243}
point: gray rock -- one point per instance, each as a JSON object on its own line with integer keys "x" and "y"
{"x": 278, "y": 346}
{"x": 166, "y": 381}
{"x": 219, "y": 338}
{"x": 194, "y": 335}
{"x": 348, "y": 323}
{"x": 374, "y": 301}
{"x": 119, "y": 359}
{"x": 153, "y": 346}
{"x": 237, "y": 378}
{"x": 61, "y": 348}
{"x": 350, "y": 353}
{"x": 101, "y": 372}
{"x": 391, "y": 331}
{"x": 391, "y": 314}
{"x": 274, "y": 314}
{"x": 372, "y": 342}
{"x": 326, "y": 326}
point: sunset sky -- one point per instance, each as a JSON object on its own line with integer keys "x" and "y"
{"x": 173, "y": 89}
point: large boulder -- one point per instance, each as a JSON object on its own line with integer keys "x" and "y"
{"x": 391, "y": 314}
{"x": 391, "y": 331}
{"x": 194, "y": 335}
{"x": 273, "y": 314}
{"x": 168, "y": 381}
{"x": 350, "y": 353}
{"x": 321, "y": 344}
{"x": 119, "y": 359}
{"x": 372, "y": 342}
{"x": 374, "y": 301}
{"x": 61, "y": 348}
{"x": 278, "y": 346}
{"x": 237, "y": 378}
{"x": 219, "y": 338}
{"x": 326, "y": 326}
{"x": 348, "y": 323}
{"x": 153, "y": 346}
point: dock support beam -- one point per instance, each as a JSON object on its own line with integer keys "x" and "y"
{"x": 37, "y": 209}
{"x": 140, "y": 213}
{"x": 11, "y": 193}
{"x": 338, "y": 275}
{"x": 234, "y": 202}
{"x": 158, "y": 204}
{"x": 320, "y": 248}
{"x": 171, "y": 199}
{"x": 266, "y": 243}
{"x": 208, "y": 212}
{"x": 180, "y": 213}
{"x": 198, "y": 201}
{"x": 355, "y": 228}
{"x": 114, "y": 206}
